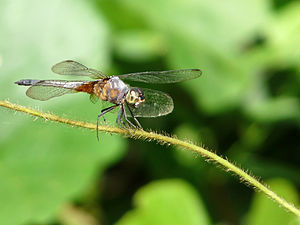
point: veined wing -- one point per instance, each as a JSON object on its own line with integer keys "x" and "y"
{"x": 46, "y": 89}
{"x": 156, "y": 103}
{"x": 70, "y": 67}
{"x": 162, "y": 77}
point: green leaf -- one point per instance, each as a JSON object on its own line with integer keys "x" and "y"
{"x": 167, "y": 202}
{"x": 36, "y": 35}
{"x": 263, "y": 211}
{"x": 43, "y": 166}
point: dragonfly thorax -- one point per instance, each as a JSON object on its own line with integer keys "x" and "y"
{"x": 135, "y": 97}
{"x": 111, "y": 89}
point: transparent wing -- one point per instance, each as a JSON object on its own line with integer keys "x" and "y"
{"x": 156, "y": 103}
{"x": 162, "y": 77}
{"x": 94, "y": 98}
{"x": 44, "y": 93}
{"x": 47, "y": 89}
{"x": 70, "y": 67}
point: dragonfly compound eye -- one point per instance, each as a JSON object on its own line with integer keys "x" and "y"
{"x": 135, "y": 97}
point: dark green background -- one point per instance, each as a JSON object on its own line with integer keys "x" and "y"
{"x": 244, "y": 107}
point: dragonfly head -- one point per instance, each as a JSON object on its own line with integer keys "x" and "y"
{"x": 135, "y": 97}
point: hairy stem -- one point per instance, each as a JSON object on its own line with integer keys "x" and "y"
{"x": 140, "y": 134}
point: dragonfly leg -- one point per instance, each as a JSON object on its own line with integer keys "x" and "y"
{"x": 132, "y": 115}
{"x": 104, "y": 111}
{"x": 127, "y": 120}
{"x": 120, "y": 119}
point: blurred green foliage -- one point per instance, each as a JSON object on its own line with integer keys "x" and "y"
{"x": 245, "y": 106}
{"x": 171, "y": 201}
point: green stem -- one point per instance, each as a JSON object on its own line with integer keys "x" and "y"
{"x": 140, "y": 134}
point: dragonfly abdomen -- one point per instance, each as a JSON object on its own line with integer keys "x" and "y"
{"x": 27, "y": 82}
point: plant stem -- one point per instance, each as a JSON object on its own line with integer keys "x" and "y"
{"x": 140, "y": 134}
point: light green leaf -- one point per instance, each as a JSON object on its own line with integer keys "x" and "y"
{"x": 205, "y": 19}
{"x": 36, "y": 34}
{"x": 44, "y": 165}
{"x": 284, "y": 36}
{"x": 139, "y": 46}
{"x": 167, "y": 202}
{"x": 270, "y": 110}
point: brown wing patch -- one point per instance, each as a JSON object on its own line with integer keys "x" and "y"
{"x": 88, "y": 88}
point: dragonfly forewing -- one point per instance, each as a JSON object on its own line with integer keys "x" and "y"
{"x": 162, "y": 77}
{"x": 70, "y": 67}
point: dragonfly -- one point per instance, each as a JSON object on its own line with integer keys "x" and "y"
{"x": 132, "y": 101}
